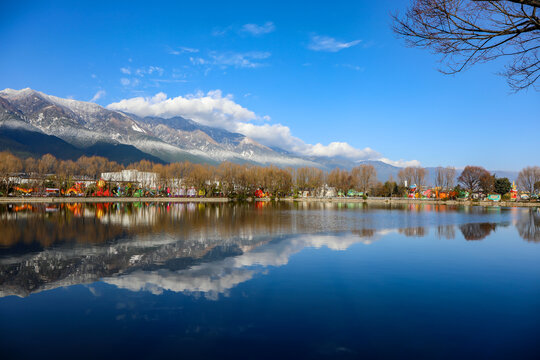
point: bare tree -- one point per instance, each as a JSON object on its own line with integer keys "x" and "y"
{"x": 406, "y": 176}
{"x": 308, "y": 178}
{"x": 528, "y": 177}
{"x": 440, "y": 177}
{"x": 466, "y": 32}
{"x": 364, "y": 175}
{"x": 47, "y": 164}
{"x": 339, "y": 179}
{"x": 487, "y": 183}
{"x": 450, "y": 175}
{"x": 9, "y": 164}
{"x": 30, "y": 165}
{"x": 419, "y": 177}
{"x": 471, "y": 178}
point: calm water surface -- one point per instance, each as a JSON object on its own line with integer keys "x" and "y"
{"x": 269, "y": 281}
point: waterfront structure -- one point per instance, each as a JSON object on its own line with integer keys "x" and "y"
{"x": 142, "y": 178}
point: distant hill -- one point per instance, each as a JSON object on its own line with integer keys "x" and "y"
{"x": 27, "y": 143}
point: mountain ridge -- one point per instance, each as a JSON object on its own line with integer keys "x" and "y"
{"x": 83, "y": 124}
{"x": 75, "y": 127}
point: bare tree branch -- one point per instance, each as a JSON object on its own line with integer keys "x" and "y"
{"x": 466, "y": 32}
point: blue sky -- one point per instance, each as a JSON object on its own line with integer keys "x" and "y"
{"x": 301, "y": 75}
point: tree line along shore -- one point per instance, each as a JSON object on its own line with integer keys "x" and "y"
{"x": 98, "y": 177}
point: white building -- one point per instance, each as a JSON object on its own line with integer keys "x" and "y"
{"x": 144, "y": 179}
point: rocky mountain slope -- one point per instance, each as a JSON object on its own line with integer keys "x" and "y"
{"x": 84, "y": 125}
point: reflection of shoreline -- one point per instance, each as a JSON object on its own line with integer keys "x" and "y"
{"x": 71, "y": 200}
{"x": 162, "y": 245}
{"x": 45, "y": 225}
{"x": 389, "y": 201}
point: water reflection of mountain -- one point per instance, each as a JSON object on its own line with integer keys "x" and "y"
{"x": 218, "y": 277}
{"x": 206, "y": 248}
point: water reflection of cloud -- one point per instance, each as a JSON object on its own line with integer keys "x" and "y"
{"x": 219, "y": 277}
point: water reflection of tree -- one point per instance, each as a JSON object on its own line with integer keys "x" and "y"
{"x": 365, "y": 233}
{"x": 418, "y": 231}
{"x": 477, "y": 231}
{"x": 529, "y": 226}
{"x": 49, "y": 225}
{"x": 446, "y": 231}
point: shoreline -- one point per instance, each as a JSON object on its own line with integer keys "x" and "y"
{"x": 70, "y": 200}
{"x": 422, "y": 201}
{"x": 59, "y": 200}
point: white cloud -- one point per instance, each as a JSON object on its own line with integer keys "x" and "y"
{"x": 240, "y": 60}
{"x": 126, "y": 71}
{"x": 400, "y": 162}
{"x": 340, "y": 148}
{"x": 214, "y": 109}
{"x": 149, "y": 71}
{"x": 329, "y": 44}
{"x": 221, "y": 31}
{"x": 98, "y": 95}
{"x": 350, "y": 66}
{"x": 257, "y": 30}
{"x": 183, "y": 50}
{"x": 197, "y": 61}
{"x": 209, "y": 109}
{"x": 223, "y": 60}
{"x": 169, "y": 81}
{"x": 128, "y": 81}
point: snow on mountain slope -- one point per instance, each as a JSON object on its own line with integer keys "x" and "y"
{"x": 83, "y": 124}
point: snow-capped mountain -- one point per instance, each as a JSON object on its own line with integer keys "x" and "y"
{"x": 84, "y": 124}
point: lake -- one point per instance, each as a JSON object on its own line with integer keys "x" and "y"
{"x": 269, "y": 281}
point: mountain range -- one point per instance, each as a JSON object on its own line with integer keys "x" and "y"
{"x": 87, "y": 126}
{"x": 33, "y": 123}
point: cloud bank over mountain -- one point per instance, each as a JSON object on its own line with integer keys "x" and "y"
{"x": 217, "y": 110}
